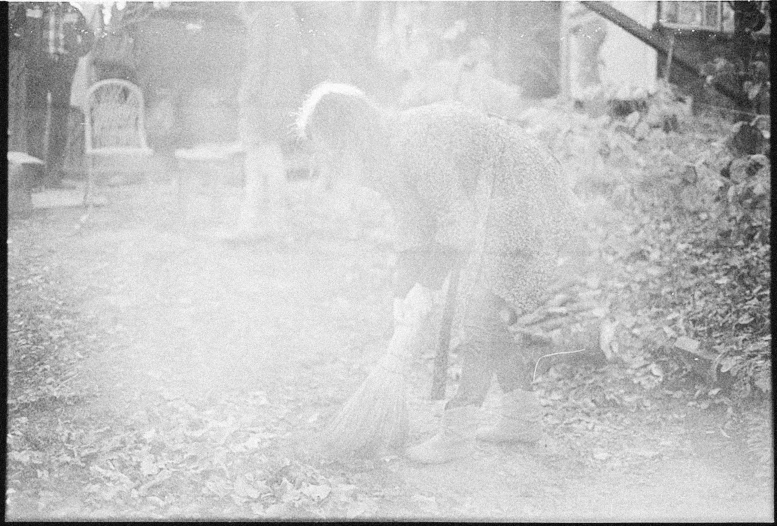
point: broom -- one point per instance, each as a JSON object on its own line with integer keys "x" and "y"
{"x": 376, "y": 417}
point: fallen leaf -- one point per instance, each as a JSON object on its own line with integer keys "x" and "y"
{"x": 108, "y": 492}
{"x": 276, "y": 510}
{"x": 243, "y": 489}
{"x": 558, "y": 300}
{"x": 424, "y": 499}
{"x": 345, "y": 489}
{"x": 260, "y": 397}
{"x": 317, "y": 491}
{"x": 607, "y": 338}
{"x": 262, "y": 487}
{"x": 292, "y": 495}
{"x": 148, "y": 467}
{"x": 646, "y": 453}
{"x": 168, "y": 395}
{"x": 744, "y": 319}
{"x": 255, "y": 439}
{"x": 20, "y": 456}
{"x": 355, "y": 509}
{"x": 687, "y": 344}
{"x": 221, "y": 436}
{"x": 196, "y": 434}
{"x": 156, "y": 500}
{"x": 160, "y": 477}
{"x": 655, "y": 271}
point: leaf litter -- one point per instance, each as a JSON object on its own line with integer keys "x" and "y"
{"x": 227, "y": 454}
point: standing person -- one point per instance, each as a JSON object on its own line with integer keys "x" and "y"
{"x": 269, "y": 94}
{"x": 468, "y": 188}
{"x": 54, "y": 36}
{"x": 17, "y": 83}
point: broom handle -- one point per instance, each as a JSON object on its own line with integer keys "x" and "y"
{"x": 441, "y": 358}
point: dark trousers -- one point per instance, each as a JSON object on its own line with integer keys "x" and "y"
{"x": 54, "y": 77}
{"x": 488, "y": 349}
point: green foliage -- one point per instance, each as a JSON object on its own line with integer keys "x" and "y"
{"x": 712, "y": 236}
{"x": 754, "y": 81}
{"x": 447, "y": 63}
{"x": 701, "y": 238}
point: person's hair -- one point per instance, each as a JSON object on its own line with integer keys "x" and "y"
{"x": 343, "y": 118}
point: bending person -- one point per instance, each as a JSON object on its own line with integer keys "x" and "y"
{"x": 463, "y": 186}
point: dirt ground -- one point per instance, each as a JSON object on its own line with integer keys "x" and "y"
{"x": 186, "y": 378}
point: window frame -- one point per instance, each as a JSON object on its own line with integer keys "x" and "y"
{"x": 702, "y": 4}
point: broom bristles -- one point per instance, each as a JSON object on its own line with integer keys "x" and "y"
{"x": 374, "y": 417}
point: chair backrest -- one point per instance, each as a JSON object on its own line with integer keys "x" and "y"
{"x": 114, "y": 116}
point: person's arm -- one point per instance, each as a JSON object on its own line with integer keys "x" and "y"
{"x": 84, "y": 35}
{"x": 446, "y": 216}
{"x": 427, "y": 266}
{"x": 16, "y": 21}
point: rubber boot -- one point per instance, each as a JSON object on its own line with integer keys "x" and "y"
{"x": 520, "y": 421}
{"x": 456, "y": 438}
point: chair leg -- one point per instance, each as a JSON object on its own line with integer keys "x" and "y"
{"x": 183, "y": 196}
{"x": 89, "y": 192}
{"x": 217, "y": 176}
{"x": 88, "y": 195}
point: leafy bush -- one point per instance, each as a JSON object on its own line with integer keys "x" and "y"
{"x": 754, "y": 81}
{"x": 705, "y": 234}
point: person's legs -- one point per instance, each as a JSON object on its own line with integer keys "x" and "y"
{"x": 62, "y": 77}
{"x": 265, "y": 192}
{"x": 485, "y": 340}
{"x": 37, "y": 108}
{"x": 249, "y": 207}
{"x": 484, "y": 332}
{"x": 521, "y": 412}
{"x": 275, "y": 177}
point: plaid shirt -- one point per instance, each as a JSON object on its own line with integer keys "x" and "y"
{"x": 56, "y": 24}
{"x": 54, "y": 30}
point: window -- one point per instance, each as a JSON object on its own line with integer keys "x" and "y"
{"x": 706, "y": 15}
{"x": 712, "y": 15}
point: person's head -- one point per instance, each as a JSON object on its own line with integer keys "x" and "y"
{"x": 343, "y": 127}
{"x": 339, "y": 118}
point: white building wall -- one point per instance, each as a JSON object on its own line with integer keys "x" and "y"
{"x": 626, "y": 62}
{"x": 623, "y": 61}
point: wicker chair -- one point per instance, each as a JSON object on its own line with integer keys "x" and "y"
{"x": 115, "y": 136}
